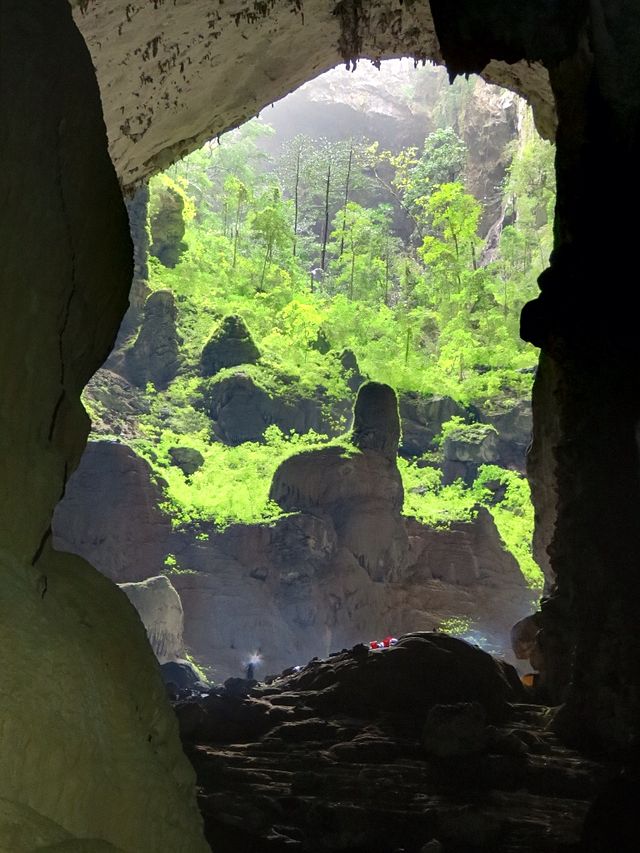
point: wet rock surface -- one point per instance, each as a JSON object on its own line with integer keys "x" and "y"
{"x": 426, "y": 746}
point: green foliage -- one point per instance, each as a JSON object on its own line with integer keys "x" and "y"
{"x": 457, "y": 429}
{"x": 233, "y": 484}
{"x": 513, "y": 516}
{"x": 424, "y": 314}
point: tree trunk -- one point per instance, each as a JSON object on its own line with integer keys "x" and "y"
{"x": 346, "y": 199}
{"x": 325, "y": 235}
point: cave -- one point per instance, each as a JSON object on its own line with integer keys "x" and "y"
{"x": 91, "y": 755}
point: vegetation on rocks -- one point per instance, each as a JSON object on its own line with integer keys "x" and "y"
{"x": 333, "y": 246}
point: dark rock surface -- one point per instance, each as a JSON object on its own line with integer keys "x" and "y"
{"x": 350, "y": 366}
{"x": 188, "y": 459}
{"x": 153, "y": 356}
{"x": 240, "y": 410}
{"x": 422, "y": 419}
{"x": 230, "y": 345}
{"x": 376, "y": 422}
{"x": 110, "y": 513}
{"x": 413, "y": 748}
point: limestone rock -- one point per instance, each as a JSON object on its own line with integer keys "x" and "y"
{"x": 467, "y": 552}
{"x": 110, "y": 514}
{"x": 376, "y": 423}
{"x": 89, "y": 743}
{"x": 115, "y": 405}
{"x": 160, "y": 609}
{"x": 153, "y": 357}
{"x": 361, "y": 493}
{"x": 188, "y": 459}
{"x": 422, "y": 419}
{"x": 241, "y": 410}
{"x": 466, "y": 448}
{"x": 137, "y": 208}
{"x": 156, "y": 73}
{"x": 514, "y": 434}
{"x": 455, "y": 730}
{"x": 230, "y": 345}
{"x": 123, "y": 723}
{"x": 167, "y": 226}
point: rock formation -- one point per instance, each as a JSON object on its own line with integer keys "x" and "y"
{"x": 90, "y": 747}
{"x": 153, "y": 356}
{"x": 160, "y": 610}
{"x": 111, "y": 509}
{"x": 422, "y": 419}
{"x": 230, "y": 345}
{"x": 342, "y": 566}
{"x": 167, "y": 226}
{"x": 240, "y": 410}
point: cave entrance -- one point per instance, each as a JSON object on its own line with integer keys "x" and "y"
{"x": 374, "y": 225}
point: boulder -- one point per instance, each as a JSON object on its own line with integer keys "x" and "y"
{"x": 422, "y": 670}
{"x": 160, "y": 609}
{"x": 181, "y": 673}
{"x": 466, "y": 448}
{"x": 188, "y": 459}
{"x": 153, "y": 357}
{"x": 230, "y": 345}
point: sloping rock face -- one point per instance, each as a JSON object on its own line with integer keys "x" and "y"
{"x": 153, "y": 356}
{"x": 89, "y": 746}
{"x": 159, "y": 607}
{"x": 422, "y": 747}
{"x": 230, "y": 345}
{"x": 110, "y": 511}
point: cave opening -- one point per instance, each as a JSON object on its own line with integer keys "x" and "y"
{"x": 64, "y": 298}
{"x": 375, "y": 225}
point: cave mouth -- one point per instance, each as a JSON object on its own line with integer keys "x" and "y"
{"x": 374, "y": 225}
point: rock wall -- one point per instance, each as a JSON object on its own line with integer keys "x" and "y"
{"x": 341, "y": 567}
{"x": 89, "y": 745}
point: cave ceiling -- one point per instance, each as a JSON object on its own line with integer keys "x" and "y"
{"x": 175, "y": 73}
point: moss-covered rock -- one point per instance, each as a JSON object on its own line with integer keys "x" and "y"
{"x": 229, "y": 346}
{"x": 167, "y": 226}
{"x": 153, "y": 357}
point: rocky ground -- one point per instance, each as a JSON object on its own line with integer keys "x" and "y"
{"x": 430, "y": 746}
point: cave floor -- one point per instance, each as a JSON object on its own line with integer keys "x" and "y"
{"x": 306, "y": 764}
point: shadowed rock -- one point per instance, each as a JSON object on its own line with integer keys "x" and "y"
{"x": 154, "y": 355}
{"x": 376, "y": 424}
